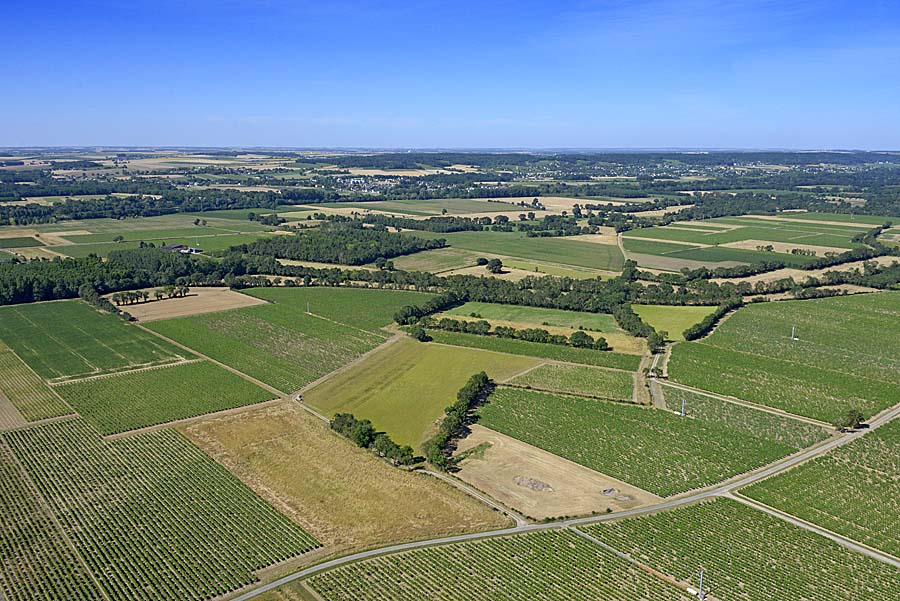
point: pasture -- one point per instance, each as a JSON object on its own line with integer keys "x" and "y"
{"x": 67, "y": 339}
{"x": 209, "y": 244}
{"x": 436, "y": 261}
{"x": 853, "y": 490}
{"x": 132, "y": 400}
{"x": 404, "y": 388}
{"x": 652, "y": 449}
{"x": 274, "y": 343}
{"x": 555, "y": 352}
{"x": 538, "y": 316}
{"x": 556, "y": 565}
{"x": 672, "y": 319}
{"x": 578, "y": 379}
{"x": 344, "y": 496}
{"x": 150, "y": 515}
{"x": 748, "y": 555}
{"x": 833, "y": 365}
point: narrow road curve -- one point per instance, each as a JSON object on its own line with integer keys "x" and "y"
{"x": 724, "y": 490}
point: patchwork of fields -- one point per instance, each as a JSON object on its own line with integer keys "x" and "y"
{"x": 843, "y": 357}
{"x": 853, "y": 490}
{"x": 577, "y": 379}
{"x": 748, "y": 555}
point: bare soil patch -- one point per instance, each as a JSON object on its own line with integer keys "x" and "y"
{"x": 539, "y": 484}
{"x": 59, "y": 238}
{"x": 801, "y": 275}
{"x": 198, "y": 300}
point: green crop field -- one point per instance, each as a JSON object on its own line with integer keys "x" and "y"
{"x": 437, "y": 260}
{"x": 853, "y": 490}
{"x": 206, "y": 243}
{"x": 453, "y": 206}
{"x": 552, "y": 566}
{"x": 577, "y": 379}
{"x": 652, "y": 247}
{"x": 672, "y": 319}
{"x": 748, "y": 555}
{"x": 721, "y": 254}
{"x": 26, "y": 391}
{"x": 35, "y": 561}
{"x": 22, "y": 242}
{"x": 358, "y": 307}
{"x": 843, "y": 357}
{"x": 542, "y": 269}
{"x": 145, "y": 398}
{"x": 277, "y": 344}
{"x": 872, "y": 220}
{"x": 538, "y": 316}
{"x": 553, "y": 250}
{"x": 191, "y": 233}
{"x": 70, "y": 338}
{"x": 539, "y": 349}
{"x": 755, "y": 229}
{"x": 652, "y": 449}
{"x": 151, "y": 516}
{"x": 404, "y": 388}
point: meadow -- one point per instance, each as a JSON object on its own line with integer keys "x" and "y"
{"x": 358, "y": 307}
{"x": 748, "y": 555}
{"x": 578, "y": 379}
{"x": 277, "y": 344}
{"x": 64, "y": 339}
{"x": 151, "y": 515}
{"x": 208, "y": 243}
{"x": 538, "y": 316}
{"x": 436, "y": 261}
{"x": 132, "y": 400}
{"x": 555, "y": 352}
{"x": 853, "y": 490}
{"x": 649, "y": 448}
{"x": 404, "y": 388}
{"x": 749, "y": 228}
{"x": 833, "y": 365}
{"x": 26, "y": 391}
{"x": 553, "y": 565}
{"x": 672, "y": 319}
{"x": 344, "y": 496}
{"x": 453, "y": 206}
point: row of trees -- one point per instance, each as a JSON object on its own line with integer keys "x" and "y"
{"x": 481, "y": 327}
{"x": 135, "y": 296}
{"x": 363, "y": 435}
{"x": 437, "y": 448}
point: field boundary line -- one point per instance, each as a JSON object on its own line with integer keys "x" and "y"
{"x": 840, "y": 539}
{"x": 347, "y": 366}
{"x": 236, "y": 372}
{"x": 563, "y": 393}
{"x": 47, "y": 510}
{"x": 127, "y": 371}
{"x": 748, "y": 404}
{"x": 46, "y": 382}
{"x": 506, "y": 381}
{"x": 190, "y": 420}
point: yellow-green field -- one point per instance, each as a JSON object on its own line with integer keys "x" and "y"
{"x": 672, "y": 319}
{"x": 404, "y": 388}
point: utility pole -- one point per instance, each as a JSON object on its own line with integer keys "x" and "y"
{"x": 307, "y": 308}
{"x": 793, "y": 337}
{"x": 702, "y": 595}
{"x": 682, "y": 406}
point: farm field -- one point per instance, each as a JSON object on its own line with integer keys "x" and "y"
{"x": 206, "y": 243}
{"x": 555, "y": 352}
{"x": 711, "y": 254}
{"x": 541, "y": 269}
{"x": 274, "y": 343}
{"x": 748, "y": 555}
{"x": 404, "y": 388}
{"x": 672, "y": 319}
{"x": 152, "y": 515}
{"x": 31, "y": 397}
{"x": 133, "y": 400}
{"x": 536, "y": 483}
{"x": 198, "y": 301}
{"x": 577, "y": 379}
{"x": 19, "y": 242}
{"x": 436, "y": 261}
{"x": 831, "y": 368}
{"x": 66, "y": 339}
{"x": 559, "y": 564}
{"x": 367, "y": 309}
{"x": 554, "y": 250}
{"x": 652, "y": 449}
{"x": 343, "y": 495}
{"x": 538, "y": 316}
{"x": 453, "y": 206}
{"x": 853, "y": 490}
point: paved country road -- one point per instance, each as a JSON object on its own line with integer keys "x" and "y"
{"x": 721, "y": 490}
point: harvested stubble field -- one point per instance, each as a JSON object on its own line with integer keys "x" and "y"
{"x": 538, "y": 349}
{"x": 844, "y": 357}
{"x": 275, "y": 343}
{"x": 854, "y": 490}
{"x": 138, "y": 399}
{"x": 652, "y": 449}
{"x": 577, "y": 379}
{"x": 198, "y": 301}
{"x": 553, "y": 565}
{"x": 152, "y": 516}
{"x": 29, "y": 394}
{"x": 344, "y": 496}
{"x": 405, "y": 387}
{"x": 748, "y": 555}
{"x": 64, "y": 339}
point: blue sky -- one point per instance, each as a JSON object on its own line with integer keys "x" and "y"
{"x": 524, "y": 74}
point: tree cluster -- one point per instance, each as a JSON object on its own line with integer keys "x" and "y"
{"x": 456, "y": 417}
{"x": 363, "y": 435}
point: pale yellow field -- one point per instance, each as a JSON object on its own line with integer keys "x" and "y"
{"x": 197, "y": 301}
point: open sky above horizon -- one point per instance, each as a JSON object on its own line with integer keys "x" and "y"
{"x": 528, "y": 74}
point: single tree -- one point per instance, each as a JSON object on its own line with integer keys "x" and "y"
{"x": 495, "y": 266}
